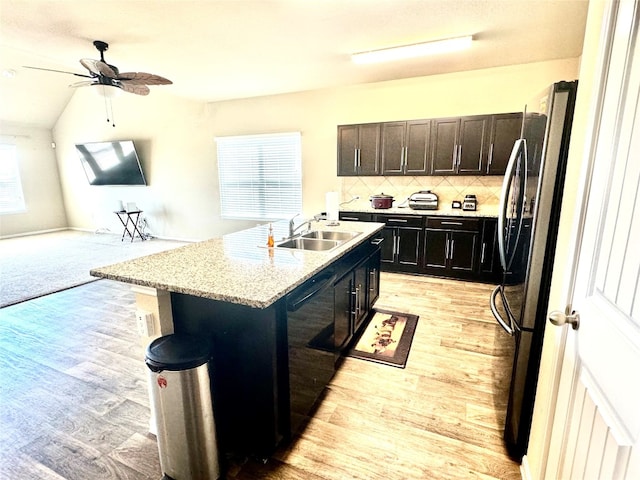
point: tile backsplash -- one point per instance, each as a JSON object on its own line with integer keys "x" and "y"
{"x": 485, "y": 188}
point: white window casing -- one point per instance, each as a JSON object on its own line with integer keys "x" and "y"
{"x": 260, "y": 176}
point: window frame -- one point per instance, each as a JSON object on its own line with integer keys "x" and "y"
{"x": 10, "y": 179}
{"x": 260, "y": 176}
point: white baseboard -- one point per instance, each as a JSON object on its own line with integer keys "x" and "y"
{"x": 99, "y": 231}
{"x": 37, "y": 232}
{"x": 525, "y": 472}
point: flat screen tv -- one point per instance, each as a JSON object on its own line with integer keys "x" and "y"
{"x": 111, "y": 163}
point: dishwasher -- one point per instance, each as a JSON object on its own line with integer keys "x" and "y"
{"x": 312, "y": 354}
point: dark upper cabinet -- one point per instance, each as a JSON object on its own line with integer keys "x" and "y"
{"x": 359, "y": 149}
{"x": 393, "y": 147}
{"x": 459, "y": 145}
{"x": 505, "y": 130}
{"x": 470, "y": 145}
{"x": 473, "y": 146}
{"x": 405, "y": 147}
{"x": 444, "y": 146}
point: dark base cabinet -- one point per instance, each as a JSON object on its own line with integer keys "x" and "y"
{"x": 449, "y": 246}
{"x": 452, "y": 247}
{"x": 248, "y": 376}
{"x": 490, "y": 268}
{"x": 402, "y": 242}
{"x": 355, "y": 292}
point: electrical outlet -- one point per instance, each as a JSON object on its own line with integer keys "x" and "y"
{"x": 145, "y": 323}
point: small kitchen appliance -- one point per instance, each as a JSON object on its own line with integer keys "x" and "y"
{"x": 470, "y": 203}
{"x": 381, "y": 201}
{"x": 423, "y": 200}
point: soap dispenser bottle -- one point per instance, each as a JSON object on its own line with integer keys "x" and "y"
{"x": 270, "y": 241}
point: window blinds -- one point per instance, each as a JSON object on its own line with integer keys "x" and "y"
{"x": 260, "y": 176}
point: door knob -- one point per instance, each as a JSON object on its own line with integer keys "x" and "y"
{"x": 569, "y": 316}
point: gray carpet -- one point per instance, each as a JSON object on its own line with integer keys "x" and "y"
{"x": 37, "y": 265}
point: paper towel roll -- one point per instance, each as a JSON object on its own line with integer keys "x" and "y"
{"x": 332, "y": 206}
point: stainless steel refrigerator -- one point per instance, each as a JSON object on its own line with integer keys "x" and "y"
{"x": 527, "y": 229}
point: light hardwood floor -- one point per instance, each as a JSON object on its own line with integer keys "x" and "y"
{"x": 73, "y": 401}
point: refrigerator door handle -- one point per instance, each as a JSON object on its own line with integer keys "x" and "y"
{"x": 520, "y": 144}
{"x": 494, "y": 309}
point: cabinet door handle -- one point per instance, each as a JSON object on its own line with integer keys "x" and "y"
{"x": 451, "y": 223}
{"x": 396, "y": 245}
{"x": 490, "y": 158}
{"x": 375, "y": 241}
{"x": 446, "y": 250}
{"x": 453, "y": 244}
{"x": 455, "y": 156}
{"x": 359, "y": 158}
{"x": 406, "y": 153}
{"x": 484, "y": 248}
{"x": 459, "y": 154}
{"x": 355, "y": 159}
{"x": 397, "y": 220}
{"x": 351, "y": 218}
{"x": 354, "y": 295}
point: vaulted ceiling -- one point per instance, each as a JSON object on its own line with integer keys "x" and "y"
{"x": 225, "y": 49}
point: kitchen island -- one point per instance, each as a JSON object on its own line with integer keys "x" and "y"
{"x": 277, "y": 319}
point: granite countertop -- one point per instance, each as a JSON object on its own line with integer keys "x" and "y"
{"x": 490, "y": 210}
{"x": 236, "y": 268}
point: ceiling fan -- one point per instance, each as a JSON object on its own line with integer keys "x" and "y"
{"x": 102, "y": 73}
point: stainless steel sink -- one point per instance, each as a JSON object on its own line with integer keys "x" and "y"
{"x": 315, "y": 244}
{"x": 331, "y": 235}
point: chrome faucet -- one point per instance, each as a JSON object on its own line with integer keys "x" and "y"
{"x": 292, "y": 230}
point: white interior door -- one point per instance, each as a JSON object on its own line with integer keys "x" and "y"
{"x": 596, "y": 429}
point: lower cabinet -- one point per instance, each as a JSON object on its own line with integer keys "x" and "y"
{"x": 355, "y": 292}
{"x": 490, "y": 268}
{"x": 449, "y": 246}
{"x": 402, "y": 242}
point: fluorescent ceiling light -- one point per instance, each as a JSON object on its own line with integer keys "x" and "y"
{"x": 415, "y": 50}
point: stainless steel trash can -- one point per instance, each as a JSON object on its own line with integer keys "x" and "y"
{"x": 181, "y": 398}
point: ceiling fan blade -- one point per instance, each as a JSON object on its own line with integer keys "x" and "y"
{"x": 58, "y": 71}
{"x": 84, "y": 83}
{"x": 142, "y": 78}
{"x": 133, "y": 88}
{"x": 106, "y": 70}
{"x": 90, "y": 65}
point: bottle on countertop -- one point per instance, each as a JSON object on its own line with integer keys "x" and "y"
{"x": 270, "y": 241}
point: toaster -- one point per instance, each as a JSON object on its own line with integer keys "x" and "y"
{"x": 423, "y": 200}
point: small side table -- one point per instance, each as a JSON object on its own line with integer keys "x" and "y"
{"x": 129, "y": 221}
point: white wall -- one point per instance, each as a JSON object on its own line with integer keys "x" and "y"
{"x": 40, "y": 182}
{"x": 176, "y": 138}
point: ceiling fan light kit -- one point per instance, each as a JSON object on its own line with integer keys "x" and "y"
{"x": 414, "y": 50}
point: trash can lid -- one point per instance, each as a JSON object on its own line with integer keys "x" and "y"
{"x": 177, "y": 352}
